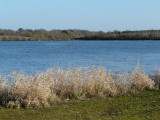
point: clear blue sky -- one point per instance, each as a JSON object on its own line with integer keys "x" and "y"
{"x": 95, "y": 15}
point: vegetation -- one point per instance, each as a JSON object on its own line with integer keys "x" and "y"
{"x": 42, "y": 35}
{"x": 57, "y": 86}
{"x": 125, "y": 35}
{"x": 143, "y": 106}
{"x": 80, "y": 93}
{"x": 39, "y": 35}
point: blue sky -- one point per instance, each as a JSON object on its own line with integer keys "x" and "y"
{"x": 94, "y": 15}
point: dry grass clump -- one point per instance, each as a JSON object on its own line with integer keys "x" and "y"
{"x": 141, "y": 81}
{"x": 100, "y": 84}
{"x": 28, "y": 91}
{"x": 156, "y": 78}
{"x": 56, "y": 85}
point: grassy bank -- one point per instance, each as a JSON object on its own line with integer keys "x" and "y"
{"x": 57, "y": 86}
{"x": 143, "y": 106}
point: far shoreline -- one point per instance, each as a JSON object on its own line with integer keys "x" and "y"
{"x": 70, "y": 40}
{"x": 73, "y": 35}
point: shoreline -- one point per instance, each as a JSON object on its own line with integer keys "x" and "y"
{"x": 53, "y": 35}
{"x": 72, "y": 40}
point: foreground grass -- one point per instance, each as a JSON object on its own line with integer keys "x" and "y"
{"x": 145, "y": 105}
{"x": 55, "y": 86}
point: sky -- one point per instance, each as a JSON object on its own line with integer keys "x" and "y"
{"x": 93, "y": 15}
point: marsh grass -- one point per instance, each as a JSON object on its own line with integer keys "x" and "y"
{"x": 156, "y": 78}
{"x": 56, "y": 85}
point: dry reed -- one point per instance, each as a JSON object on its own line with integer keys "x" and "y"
{"x": 57, "y": 85}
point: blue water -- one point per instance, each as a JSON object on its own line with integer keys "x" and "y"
{"x": 115, "y": 55}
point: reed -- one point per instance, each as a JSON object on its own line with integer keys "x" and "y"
{"x": 56, "y": 85}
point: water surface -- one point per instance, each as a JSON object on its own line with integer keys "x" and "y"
{"x": 31, "y": 56}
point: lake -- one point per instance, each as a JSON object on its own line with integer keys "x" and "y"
{"x": 31, "y": 56}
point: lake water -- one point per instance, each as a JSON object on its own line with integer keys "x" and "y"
{"x": 115, "y": 55}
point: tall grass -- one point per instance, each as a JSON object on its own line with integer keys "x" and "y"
{"x": 156, "y": 78}
{"x": 57, "y": 85}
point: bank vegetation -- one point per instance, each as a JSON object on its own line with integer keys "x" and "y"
{"x": 55, "y": 35}
{"x": 56, "y": 86}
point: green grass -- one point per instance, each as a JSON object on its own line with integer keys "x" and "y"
{"x": 145, "y": 105}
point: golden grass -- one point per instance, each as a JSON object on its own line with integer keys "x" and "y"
{"x": 57, "y": 85}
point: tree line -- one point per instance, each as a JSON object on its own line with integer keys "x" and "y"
{"x": 44, "y": 35}
{"x": 125, "y": 35}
